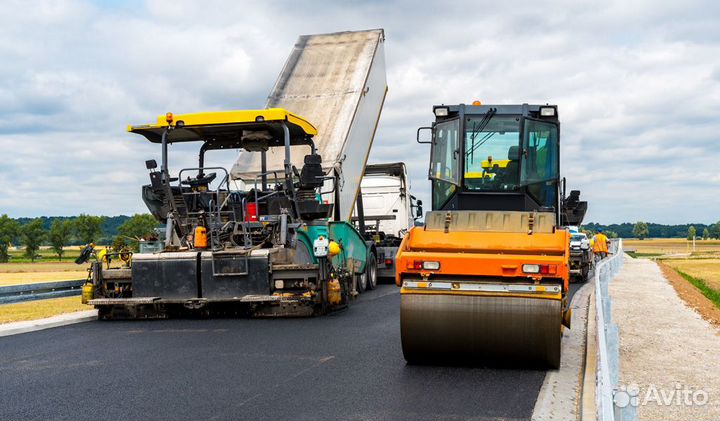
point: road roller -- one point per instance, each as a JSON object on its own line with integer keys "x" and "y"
{"x": 485, "y": 280}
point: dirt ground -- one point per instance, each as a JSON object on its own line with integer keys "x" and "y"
{"x": 691, "y": 296}
{"x": 666, "y": 347}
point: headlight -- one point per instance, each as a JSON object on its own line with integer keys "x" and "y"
{"x": 441, "y": 111}
{"x": 547, "y": 111}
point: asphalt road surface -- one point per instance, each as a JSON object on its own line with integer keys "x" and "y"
{"x": 345, "y": 366}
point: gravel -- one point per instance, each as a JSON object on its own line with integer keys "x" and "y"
{"x": 668, "y": 352}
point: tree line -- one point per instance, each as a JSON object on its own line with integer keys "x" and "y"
{"x": 59, "y": 232}
{"x": 125, "y": 231}
{"x": 642, "y": 229}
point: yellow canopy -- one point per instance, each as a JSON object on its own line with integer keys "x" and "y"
{"x": 219, "y": 125}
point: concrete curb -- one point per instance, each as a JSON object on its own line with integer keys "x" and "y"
{"x": 560, "y": 397}
{"x": 17, "y": 328}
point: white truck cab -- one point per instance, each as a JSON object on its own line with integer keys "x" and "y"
{"x": 389, "y": 211}
{"x": 579, "y": 241}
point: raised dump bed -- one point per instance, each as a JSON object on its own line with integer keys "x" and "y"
{"x": 337, "y": 81}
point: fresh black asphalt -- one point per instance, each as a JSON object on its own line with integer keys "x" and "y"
{"x": 344, "y": 366}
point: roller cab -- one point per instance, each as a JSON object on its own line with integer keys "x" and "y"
{"x": 486, "y": 278}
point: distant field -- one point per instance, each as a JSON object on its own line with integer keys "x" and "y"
{"x": 47, "y": 255}
{"x": 28, "y": 273}
{"x": 40, "y": 309}
{"x": 706, "y": 269}
{"x": 663, "y": 246}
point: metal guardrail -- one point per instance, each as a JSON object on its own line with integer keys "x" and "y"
{"x": 40, "y": 291}
{"x": 608, "y": 351}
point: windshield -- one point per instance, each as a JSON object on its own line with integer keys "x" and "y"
{"x": 577, "y": 237}
{"x": 492, "y": 153}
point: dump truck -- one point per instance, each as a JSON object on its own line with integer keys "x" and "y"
{"x": 338, "y": 82}
{"x": 581, "y": 255}
{"x": 386, "y": 211}
{"x": 273, "y": 236}
{"x": 486, "y": 278}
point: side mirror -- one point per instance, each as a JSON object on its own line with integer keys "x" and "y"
{"x": 424, "y": 135}
{"x": 418, "y": 209}
{"x": 151, "y": 164}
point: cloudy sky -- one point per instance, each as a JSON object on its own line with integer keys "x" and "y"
{"x": 637, "y": 84}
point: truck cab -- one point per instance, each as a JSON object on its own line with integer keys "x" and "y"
{"x": 389, "y": 211}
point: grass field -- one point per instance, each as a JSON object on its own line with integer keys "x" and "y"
{"x": 46, "y": 255}
{"x": 29, "y": 273}
{"x": 40, "y": 309}
{"x": 46, "y": 269}
{"x": 707, "y": 270}
{"x": 654, "y": 247}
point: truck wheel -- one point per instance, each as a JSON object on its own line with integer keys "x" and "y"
{"x": 361, "y": 282}
{"x": 371, "y": 272}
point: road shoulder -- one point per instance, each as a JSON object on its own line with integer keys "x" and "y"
{"x": 16, "y": 328}
{"x": 666, "y": 347}
{"x": 560, "y": 396}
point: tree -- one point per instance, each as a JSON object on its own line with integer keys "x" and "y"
{"x": 118, "y": 243}
{"x": 715, "y": 230}
{"x": 139, "y": 226}
{"x": 59, "y": 236}
{"x": 9, "y": 230}
{"x": 33, "y": 234}
{"x": 611, "y": 234}
{"x": 706, "y": 234}
{"x": 691, "y": 232}
{"x": 88, "y": 228}
{"x": 641, "y": 230}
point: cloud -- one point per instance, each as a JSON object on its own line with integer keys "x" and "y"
{"x": 637, "y": 85}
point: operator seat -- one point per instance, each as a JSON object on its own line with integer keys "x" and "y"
{"x": 512, "y": 170}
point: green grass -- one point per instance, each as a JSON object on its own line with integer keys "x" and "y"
{"x": 18, "y": 256}
{"x": 635, "y": 254}
{"x": 703, "y": 287}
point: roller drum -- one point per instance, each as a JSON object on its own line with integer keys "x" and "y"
{"x": 479, "y": 330}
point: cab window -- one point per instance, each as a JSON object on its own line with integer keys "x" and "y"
{"x": 541, "y": 162}
{"x": 492, "y": 154}
{"x": 444, "y": 162}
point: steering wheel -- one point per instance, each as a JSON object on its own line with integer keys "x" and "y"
{"x": 199, "y": 181}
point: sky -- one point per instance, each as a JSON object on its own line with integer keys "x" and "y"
{"x": 637, "y": 85}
